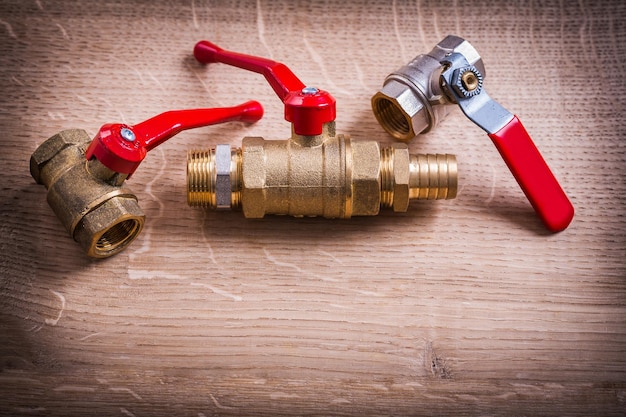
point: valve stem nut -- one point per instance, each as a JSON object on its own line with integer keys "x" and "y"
{"x": 467, "y": 81}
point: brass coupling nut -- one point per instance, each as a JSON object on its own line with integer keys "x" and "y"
{"x": 327, "y": 175}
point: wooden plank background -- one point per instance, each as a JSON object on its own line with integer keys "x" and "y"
{"x": 461, "y": 307}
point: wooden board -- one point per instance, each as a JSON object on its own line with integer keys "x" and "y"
{"x": 460, "y": 307}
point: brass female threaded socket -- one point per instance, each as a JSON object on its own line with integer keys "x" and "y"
{"x": 364, "y": 178}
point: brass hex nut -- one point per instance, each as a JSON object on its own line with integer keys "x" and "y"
{"x": 398, "y": 108}
{"x": 52, "y": 147}
{"x": 110, "y": 227}
{"x": 365, "y": 178}
{"x": 253, "y": 174}
{"x": 401, "y": 175}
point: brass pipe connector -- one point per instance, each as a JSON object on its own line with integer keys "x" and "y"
{"x": 100, "y": 214}
{"x": 315, "y": 172}
{"x": 323, "y": 175}
{"x": 85, "y": 177}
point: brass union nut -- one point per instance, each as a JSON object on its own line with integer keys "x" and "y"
{"x": 52, "y": 147}
{"x": 399, "y": 109}
{"x": 110, "y": 227}
{"x": 365, "y": 178}
{"x": 401, "y": 176}
{"x": 253, "y": 194}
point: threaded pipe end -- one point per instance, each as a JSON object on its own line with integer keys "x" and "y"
{"x": 117, "y": 237}
{"x": 214, "y": 178}
{"x": 200, "y": 184}
{"x": 387, "y": 180}
{"x": 391, "y": 117}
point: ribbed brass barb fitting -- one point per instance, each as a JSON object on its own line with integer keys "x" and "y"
{"x": 406, "y": 177}
{"x": 324, "y": 175}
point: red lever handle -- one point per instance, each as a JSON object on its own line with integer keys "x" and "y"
{"x": 533, "y": 175}
{"x": 306, "y": 107}
{"x": 121, "y": 148}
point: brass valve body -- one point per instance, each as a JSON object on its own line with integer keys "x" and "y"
{"x": 87, "y": 197}
{"x": 325, "y": 175}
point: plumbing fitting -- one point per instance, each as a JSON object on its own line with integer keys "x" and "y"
{"x": 413, "y": 100}
{"x": 85, "y": 178}
{"x": 316, "y": 172}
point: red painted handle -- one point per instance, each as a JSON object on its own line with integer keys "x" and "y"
{"x": 280, "y": 77}
{"x": 166, "y": 125}
{"x": 121, "y": 148}
{"x": 308, "y": 109}
{"x": 533, "y": 175}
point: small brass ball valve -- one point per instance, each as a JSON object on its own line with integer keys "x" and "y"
{"x": 316, "y": 172}
{"x": 85, "y": 178}
{"x": 413, "y": 100}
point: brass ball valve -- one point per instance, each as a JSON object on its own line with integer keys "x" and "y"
{"x": 315, "y": 172}
{"x": 414, "y": 99}
{"x": 85, "y": 178}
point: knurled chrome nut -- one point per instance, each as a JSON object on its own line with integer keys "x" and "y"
{"x": 110, "y": 227}
{"x": 53, "y": 146}
{"x": 458, "y": 84}
{"x": 399, "y": 108}
{"x": 401, "y": 175}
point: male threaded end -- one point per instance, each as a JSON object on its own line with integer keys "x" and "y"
{"x": 214, "y": 178}
{"x": 387, "y": 177}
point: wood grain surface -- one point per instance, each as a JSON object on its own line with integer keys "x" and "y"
{"x": 460, "y": 307}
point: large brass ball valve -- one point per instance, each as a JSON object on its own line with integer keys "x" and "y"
{"x": 315, "y": 172}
